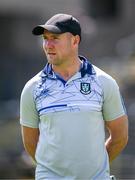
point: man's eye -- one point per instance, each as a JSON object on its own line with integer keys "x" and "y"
{"x": 55, "y": 37}
{"x": 44, "y": 37}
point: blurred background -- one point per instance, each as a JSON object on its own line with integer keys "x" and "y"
{"x": 108, "y": 40}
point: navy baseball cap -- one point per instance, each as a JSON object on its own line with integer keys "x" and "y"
{"x": 60, "y": 23}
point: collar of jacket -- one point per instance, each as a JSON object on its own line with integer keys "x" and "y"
{"x": 86, "y": 68}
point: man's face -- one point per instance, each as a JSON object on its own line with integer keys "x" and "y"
{"x": 58, "y": 47}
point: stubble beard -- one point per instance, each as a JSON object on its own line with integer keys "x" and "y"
{"x": 54, "y": 61}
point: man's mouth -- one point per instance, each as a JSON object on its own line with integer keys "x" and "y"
{"x": 51, "y": 53}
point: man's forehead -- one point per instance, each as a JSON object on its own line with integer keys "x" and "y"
{"x": 48, "y": 33}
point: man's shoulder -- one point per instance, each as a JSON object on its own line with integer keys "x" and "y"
{"x": 31, "y": 83}
{"x": 104, "y": 79}
{"x": 102, "y": 75}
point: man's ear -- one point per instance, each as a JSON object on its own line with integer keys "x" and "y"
{"x": 76, "y": 39}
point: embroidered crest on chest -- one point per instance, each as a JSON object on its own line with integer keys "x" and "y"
{"x": 85, "y": 88}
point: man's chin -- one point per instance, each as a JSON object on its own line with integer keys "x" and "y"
{"x": 51, "y": 61}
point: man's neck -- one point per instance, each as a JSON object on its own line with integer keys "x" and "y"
{"x": 68, "y": 71}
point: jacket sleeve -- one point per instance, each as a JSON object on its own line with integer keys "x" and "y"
{"x": 28, "y": 113}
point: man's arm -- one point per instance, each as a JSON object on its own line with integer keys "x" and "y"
{"x": 30, "y": 138}
{"x": 118, "y": 136}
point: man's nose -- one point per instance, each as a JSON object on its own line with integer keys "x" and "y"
{"x": 49, "y": 43}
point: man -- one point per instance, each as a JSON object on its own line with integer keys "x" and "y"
{"x": 65, "y": 107}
